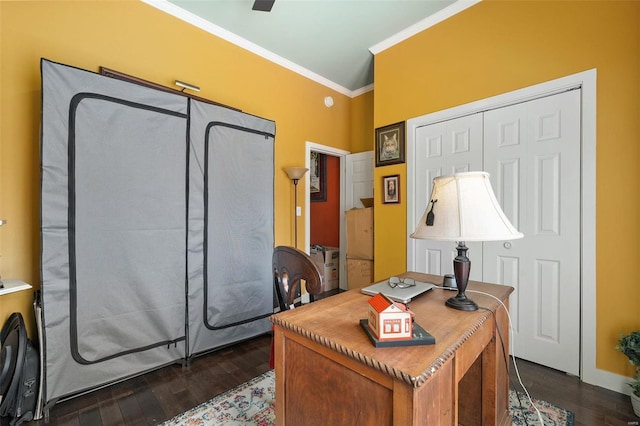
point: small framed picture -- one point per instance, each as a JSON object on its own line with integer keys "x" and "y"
{"x": 318, "y": 176}
{"x": 390, "y": 144}
{"x": 391, "y": 189}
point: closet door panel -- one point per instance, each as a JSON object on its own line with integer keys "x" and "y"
{"x": 232, "y": 288}
{"x": 113, "y": 229}
{"x": 127, "y": 207}
{"x": 444, "y": 148}
{"x": 532, "y": 151}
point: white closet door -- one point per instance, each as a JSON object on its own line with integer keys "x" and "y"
{"x": 444, "y": 148}
{"x": 532, "y": 151}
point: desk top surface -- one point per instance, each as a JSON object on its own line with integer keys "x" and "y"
{"x": 334, "y": 322}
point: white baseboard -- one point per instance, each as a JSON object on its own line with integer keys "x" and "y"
{"x": 611, "y": 381}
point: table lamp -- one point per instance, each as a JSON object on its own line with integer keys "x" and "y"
{"x": 463, "y": 208}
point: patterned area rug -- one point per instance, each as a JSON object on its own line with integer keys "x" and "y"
{"x": 524, "y": 414}
{"x": 252, "y": 403}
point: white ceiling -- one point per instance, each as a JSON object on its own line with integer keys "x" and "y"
{"x": 330, "y": 41}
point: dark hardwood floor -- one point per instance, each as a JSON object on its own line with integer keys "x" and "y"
{"x": 159, "y": 395}
{"x": 162, "y": 394}
{"x": 592, "y": 405}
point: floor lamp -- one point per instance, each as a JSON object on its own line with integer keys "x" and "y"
{"x": 463, "y": 208}
{"x": 295, "y": 174}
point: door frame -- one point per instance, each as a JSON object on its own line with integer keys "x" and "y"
{"x": 341, "y": 154}
{"x": 586, "y": 81}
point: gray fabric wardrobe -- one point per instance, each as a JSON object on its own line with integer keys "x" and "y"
{"x": 156, "y": 228}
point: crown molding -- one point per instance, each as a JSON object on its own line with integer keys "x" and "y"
{"x": 362, "y": 90}
{"x": 211, "y": 28}
{"x": 436, "y": 18}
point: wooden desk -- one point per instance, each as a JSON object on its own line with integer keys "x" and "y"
{"x": 329, "y": 373}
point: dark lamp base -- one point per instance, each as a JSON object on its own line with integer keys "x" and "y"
{"x": 461, "y": 303}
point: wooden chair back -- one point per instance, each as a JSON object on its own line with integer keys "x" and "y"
{"x": 290, "y": 266}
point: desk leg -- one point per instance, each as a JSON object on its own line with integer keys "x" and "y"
{"x": 433, "y": 403}
{"x": 495, "y": 373}
{"x": 279, "y": 339}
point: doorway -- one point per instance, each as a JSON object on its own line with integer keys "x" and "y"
{"x": 532, "y": 153}
{"x": 355, "y": 182}
{"x": 338, "y": 156}
{"x": 586, "y": 82}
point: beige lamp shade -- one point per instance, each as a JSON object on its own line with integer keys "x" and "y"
{"x": 295, "y": 173}
{"x": 464, "y": 208}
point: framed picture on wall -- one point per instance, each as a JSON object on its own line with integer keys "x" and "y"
{"x": 390, "y": 144}
{"x": 391, "y": 189}
{"x": 318, "y": 177}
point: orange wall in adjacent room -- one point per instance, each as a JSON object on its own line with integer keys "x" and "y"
{"x": 325, "y": 215}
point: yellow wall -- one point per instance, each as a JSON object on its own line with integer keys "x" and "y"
{"x": 362, "y": 130}
{"x": 137, "y": 39}
{"x": 499, "y": 46}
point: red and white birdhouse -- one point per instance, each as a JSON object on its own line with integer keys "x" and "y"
{"x": 389, "y": 320}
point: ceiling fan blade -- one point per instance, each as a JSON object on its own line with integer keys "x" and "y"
{"x": 263, "y": 5}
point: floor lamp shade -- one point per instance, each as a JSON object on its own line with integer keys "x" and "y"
{"x": 295, "y": 173}
{"x": 463, "y": 208}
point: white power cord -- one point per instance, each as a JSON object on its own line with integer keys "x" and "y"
{"x": 511, "y": 349}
